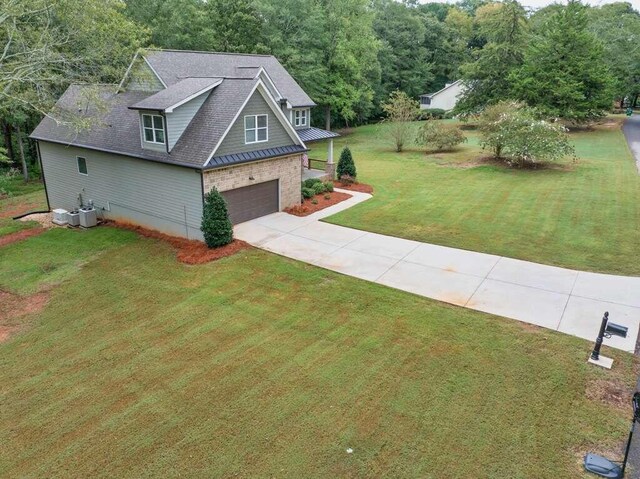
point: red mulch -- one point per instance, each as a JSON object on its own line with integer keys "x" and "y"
{"x": 20, "y": 235}
{"x": 307, "y": 207}
{"x": 359, "y": 187}
{"x": 189, "y": 251}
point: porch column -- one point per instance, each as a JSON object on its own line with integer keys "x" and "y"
{"x": 331, "y": 168}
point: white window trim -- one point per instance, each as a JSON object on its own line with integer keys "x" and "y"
{"x": 255, "y": 119}
{"x": 298, "y": 118}
{"x": 153, "y": 129}
{"x": 85, "y": 165}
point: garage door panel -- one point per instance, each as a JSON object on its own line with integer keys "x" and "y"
{"x": 252, "y": 201}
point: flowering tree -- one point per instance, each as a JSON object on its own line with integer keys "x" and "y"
{"x": 514, "y": 133}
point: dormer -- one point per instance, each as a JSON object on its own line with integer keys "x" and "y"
{"x": 165, "y": 115}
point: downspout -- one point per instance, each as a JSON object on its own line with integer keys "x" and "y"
{"x": 44, "y": 181}
{"x": 166, "y": 131}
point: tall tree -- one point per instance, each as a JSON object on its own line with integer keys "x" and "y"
{"x": 564, "y": 74}
{"x": 179, "y": 24}
{"x": 330, "y": 48}
{"x": 348, "y": 60}
{"x": 617, "y": 26}
{"x": 46, "y": 45}
{"x": 404, "y": 60}
{"x": 487, "y": 76}
{"x": 233, "y": 26}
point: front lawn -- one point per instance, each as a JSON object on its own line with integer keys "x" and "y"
{"x": 584, "y": 215}
{"x": 258, "y": 366}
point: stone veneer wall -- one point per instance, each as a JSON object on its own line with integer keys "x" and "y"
{"x": 288, "y": 169}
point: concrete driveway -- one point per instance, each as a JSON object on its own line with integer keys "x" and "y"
{"x": 565, "y": 300}
{"x": 631, "y": 129}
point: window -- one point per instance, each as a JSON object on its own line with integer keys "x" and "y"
{"x": 425, "y": 100}
{"x": 255, "y": 129}
{"x": 82, "y": 165}
{"x": 153, "y": 127}
{"x": 300, "y": 117}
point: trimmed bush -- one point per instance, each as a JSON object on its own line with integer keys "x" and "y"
{"x": 346, "y": 166}
{"x": 432, "y": 114}
{"x": 437, "y": 134}
{"x": 311, "y": 182}
{"x": 307, "y": 192}
{"x": 328, "y": 186}
{"x": 318, "y": 188}
{"x": 216, "y": 225}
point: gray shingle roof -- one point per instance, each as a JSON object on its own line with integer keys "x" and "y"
{"x": 173, "y": 66}
{"x": 237, "y": 158}
{"x": 115, "y": 129}
{"x": 315, "y": 134}
{"x": 175, "y": 93}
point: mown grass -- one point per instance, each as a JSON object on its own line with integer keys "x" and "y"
{"x": 8, "y": 226}
{"x": 21, "y": 197}
{"x": 258, "y": 366}
{"x": 48, "y": 259}
{"x": 583, "y": 215}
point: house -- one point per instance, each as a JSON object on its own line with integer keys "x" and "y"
{"x": 444, "y": 99}
{"x": 180, "y": 123}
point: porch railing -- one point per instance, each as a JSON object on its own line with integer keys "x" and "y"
{"x": 317, "y": 164}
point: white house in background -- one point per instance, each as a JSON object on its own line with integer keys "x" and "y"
{"x": 444, "y": 99}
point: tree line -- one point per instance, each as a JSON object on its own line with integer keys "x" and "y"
{"x": 570, "y": 61}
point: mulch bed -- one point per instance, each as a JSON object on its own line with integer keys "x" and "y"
{"x": 359, "y": 187}
{"x": 20, "y": 235}
{"x": 307, "y": 207}
{"x": 188, "y": 251}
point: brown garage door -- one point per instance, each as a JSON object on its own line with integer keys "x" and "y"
{"x": 253, "y": 201}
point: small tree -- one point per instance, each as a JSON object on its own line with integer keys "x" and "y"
{"x": 401, "y": 110}
{"x": 346, "y": 166}
{"x": 518, "y": 136}
{"x": 436, "y": 134}
{"x": 216, "y": 226}
{"x": 490, "y": 125}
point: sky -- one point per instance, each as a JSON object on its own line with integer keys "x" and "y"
{"x": 543, "y": 3}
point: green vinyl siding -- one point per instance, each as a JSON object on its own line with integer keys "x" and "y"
{"x": 179, "y": 119}
{"x": 164, "y": 197}
{"x": 234, "y": 142}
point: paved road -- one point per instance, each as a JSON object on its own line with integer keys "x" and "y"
{"x": 632, "y": 133}
{"x": 631, "y": 130}
{"x": 564, "y": 300}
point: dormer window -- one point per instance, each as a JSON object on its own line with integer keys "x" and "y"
{"x": 255, "y": 129}
{"x": 300, "y": 117}
{"x": 153, "y": 128}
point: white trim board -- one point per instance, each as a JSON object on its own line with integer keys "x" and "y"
{"x": 192, "y": 97}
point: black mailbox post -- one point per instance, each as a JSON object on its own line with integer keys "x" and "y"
{"x": 607, "y": 330}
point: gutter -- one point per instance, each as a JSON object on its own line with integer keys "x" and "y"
{"x": 113, "y": 152}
